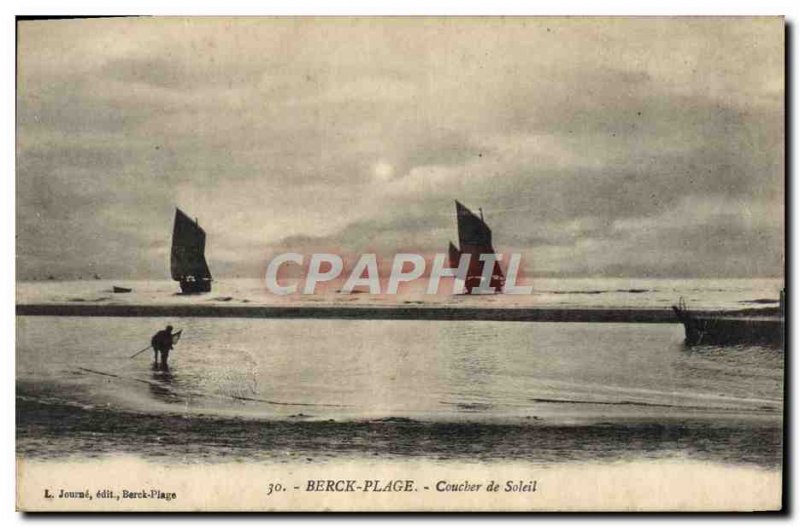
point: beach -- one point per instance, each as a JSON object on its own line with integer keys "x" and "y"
{"x": 456, "y": 385}
{"x": 385, "y": 383}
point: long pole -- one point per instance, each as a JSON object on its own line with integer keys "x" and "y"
{"x": 142, "y": 351}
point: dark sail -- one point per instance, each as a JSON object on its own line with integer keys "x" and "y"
{"x": 475, "y": 238}
{"x": 454, "y": 255}
{"x": 472, "y": 231}
{"x": 188, "y": 262}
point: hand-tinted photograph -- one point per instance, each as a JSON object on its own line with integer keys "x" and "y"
{"x": 400, "y": 264}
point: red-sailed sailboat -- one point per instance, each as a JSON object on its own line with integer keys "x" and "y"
{"x": 474, "y": 238}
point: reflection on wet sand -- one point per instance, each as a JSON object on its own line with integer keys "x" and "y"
{"x": 163, "y": 386}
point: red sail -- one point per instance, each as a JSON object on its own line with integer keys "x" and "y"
{"x": 454, "y": 256}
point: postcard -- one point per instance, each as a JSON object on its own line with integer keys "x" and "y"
{"x": 400, "y": 264}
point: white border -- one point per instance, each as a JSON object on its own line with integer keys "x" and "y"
{"x": 790, "y": 9}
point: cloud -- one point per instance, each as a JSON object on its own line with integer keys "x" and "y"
{"x": 596, "y": 146}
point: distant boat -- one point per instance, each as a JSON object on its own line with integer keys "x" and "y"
{"x": 118, "y": 289}
{"x": 474, "y": 238}
{"x": 188, "y": 262}
{"x": 751, "y": 326}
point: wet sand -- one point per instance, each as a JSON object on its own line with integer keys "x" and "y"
{"x": 56, "y": 430}
{"x": 461, "y": 391}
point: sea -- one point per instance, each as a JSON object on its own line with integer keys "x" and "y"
{"x": 319, "y": 389}
{"x": 634, "y": 293}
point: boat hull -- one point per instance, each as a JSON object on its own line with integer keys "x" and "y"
{"x": 731, "y": 330}
{"x": 192, "y": 287}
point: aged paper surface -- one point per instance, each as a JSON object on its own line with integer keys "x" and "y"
{"x": 400, "y": 264}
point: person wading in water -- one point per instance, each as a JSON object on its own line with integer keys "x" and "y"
{"x": 162, "y": 342}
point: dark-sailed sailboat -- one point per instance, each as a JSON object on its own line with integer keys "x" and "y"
{"x": 188, "y": 261}
{"x": 474, "y": 238}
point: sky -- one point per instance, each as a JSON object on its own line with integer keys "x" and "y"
{"x": 595, "y": 147}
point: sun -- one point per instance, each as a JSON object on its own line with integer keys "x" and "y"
{"x": 382, "y": 171}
